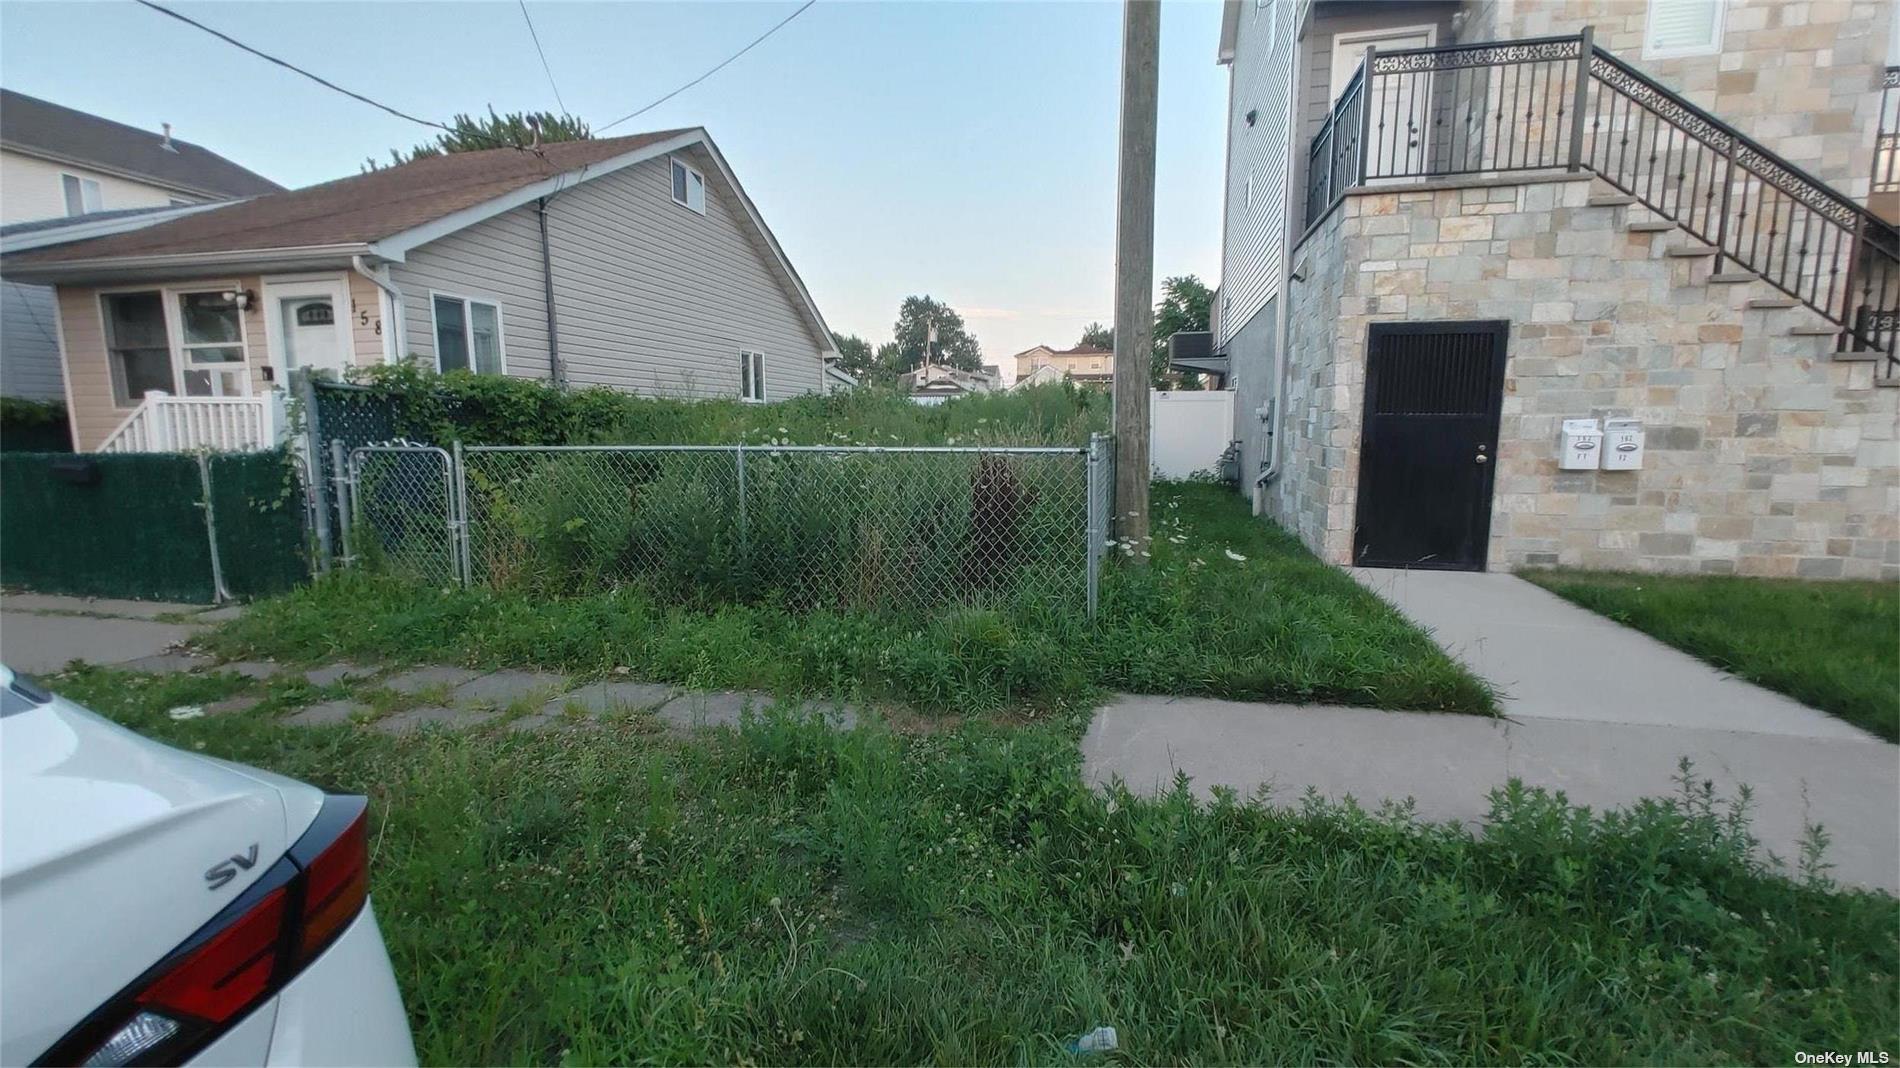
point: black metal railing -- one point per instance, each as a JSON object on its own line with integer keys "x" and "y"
{"x": 1886, "y": 175}
{"x": 1562, "y": 103}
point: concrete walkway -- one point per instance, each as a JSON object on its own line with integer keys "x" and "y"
{"x": 1554, "y": 660}
{"x": 40, "y": 633}
{"x": 1592, "y": 708}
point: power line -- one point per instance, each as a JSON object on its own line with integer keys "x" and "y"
{"x": 267, "y": 57}
{"x": 544, "y": 56}
{"x": 722, "y": 65}
{"x": 325, "y": 82}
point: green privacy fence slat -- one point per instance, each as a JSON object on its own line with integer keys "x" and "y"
{"x": 138, "y": 529}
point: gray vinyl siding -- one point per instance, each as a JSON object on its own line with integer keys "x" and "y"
{"x": 1316, "y": 66}
{"x": 497, "y": 260}
{"x": 1253, "y": 238}
{"x": 29, "y": 353}
{"x": 650, "y": 296}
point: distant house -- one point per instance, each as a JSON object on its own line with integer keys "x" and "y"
{"x": 632, "y": 262}
{"x": 935, "y": 384}
{"x": 58, "y": 164}
{"x": 1084, "y": 364}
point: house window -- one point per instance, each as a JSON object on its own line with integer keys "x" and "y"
{"x": 689, "y": 187}
{"x": 211, "y": 342}
{"x": 1683, "y": 28}
{"x": 752, "y": 376}
{"x": 138, "y": 353}
{"x": 82, "y": 194}
{"x": 468, "y": 336}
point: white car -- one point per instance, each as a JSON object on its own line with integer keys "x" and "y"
{"x": 158, "y": 907}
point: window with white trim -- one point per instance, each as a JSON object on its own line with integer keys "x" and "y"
{"x": 468, "y": 335}
{"x": 138, "y": 348}
{"x": 689, "y": 186}
{"x": 82, "y": 194}
{"x": 752, "y": 376}
{"x": 211, "y": 344}
{"x": 1683, "y": 28}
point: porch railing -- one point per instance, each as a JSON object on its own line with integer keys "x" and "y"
{"x": 164, "y": 423}
{"x": 1561, "y": 103}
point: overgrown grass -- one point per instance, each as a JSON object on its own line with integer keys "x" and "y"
{"x": 790, "y": 895}
{"x": 1227, "y": 606}
{"x": 1833, "y": 645}
{"x": 498, "y": 410}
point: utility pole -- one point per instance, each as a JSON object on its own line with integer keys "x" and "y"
{"x": 1134, "y": 267}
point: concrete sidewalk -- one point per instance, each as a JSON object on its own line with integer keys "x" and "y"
{"x": 1554, "y": 660}
{"x": 1591, "y": 707}
{"x": 1449, "y": 763}
{"x": 41, "y": 634}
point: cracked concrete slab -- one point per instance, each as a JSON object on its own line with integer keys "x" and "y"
{"x": 722, "y": 708}
{"x": 329, "y": 712}
{"x": 342, "y": 670}
{"x": 417, "y": 680}
{"x": 252, "y": 669}
{"x": 432, "y": 716}
{"x": 167, "y": 663}
{"x": 232, "y": 704}
{"x": 507, "y": 687}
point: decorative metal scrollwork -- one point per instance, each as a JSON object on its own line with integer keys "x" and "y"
{"x": 1488, "y": 55}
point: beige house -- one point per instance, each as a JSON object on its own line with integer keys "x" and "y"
{"x": 1082, "y": 364}
{"x": 63, "y": 170}
{"x": 633, "y": 262}
{"x": 1597, "y": 283}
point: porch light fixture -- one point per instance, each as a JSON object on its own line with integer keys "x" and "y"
{"x": 242, "y": 298}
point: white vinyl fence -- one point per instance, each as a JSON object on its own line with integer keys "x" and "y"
{"x": 1189, "y": 429}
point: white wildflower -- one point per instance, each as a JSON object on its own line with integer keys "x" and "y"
{"x": 187, "y": 712}
{"x": 1234, "y": 556}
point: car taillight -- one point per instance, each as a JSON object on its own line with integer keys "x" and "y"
{"x": 246, "y": 953}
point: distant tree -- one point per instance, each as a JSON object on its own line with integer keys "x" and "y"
{"x": 855, "y": 356}
{"x": 954, "y": 345}
{"x": 1186, "y": 304}
{"x": 471, "y": 134}
{"x": 1097, "y": 336}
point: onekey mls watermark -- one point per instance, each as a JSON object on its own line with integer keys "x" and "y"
{"x": 1843, "y": 1059}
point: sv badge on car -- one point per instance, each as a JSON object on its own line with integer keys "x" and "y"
{"x": 226, "y": 870}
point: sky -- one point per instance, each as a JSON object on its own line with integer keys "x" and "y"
{"x": 962, "y": 150}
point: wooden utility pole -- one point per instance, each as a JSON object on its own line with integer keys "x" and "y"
{"x": 1134, "y": 267}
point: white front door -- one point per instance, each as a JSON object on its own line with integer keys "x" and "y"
{"x": 309, "y": 325}
{"x": 1399, "y": 127}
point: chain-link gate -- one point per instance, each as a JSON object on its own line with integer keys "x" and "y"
{"x": 402, "y": 513}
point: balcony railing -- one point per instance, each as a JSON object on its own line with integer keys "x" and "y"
{"x": 163, "y": 423}
{"x": 1886, "y": 176}
{"x": 1553, "y": 103}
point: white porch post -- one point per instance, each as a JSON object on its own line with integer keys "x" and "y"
{"x": 271, "y": 420}
{"x": 158, "y": 425}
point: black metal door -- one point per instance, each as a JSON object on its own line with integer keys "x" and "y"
{"x": 1429, "y": 445}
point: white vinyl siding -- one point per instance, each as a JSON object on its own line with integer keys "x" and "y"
{"x": 650, "y": 298}
{"x": 1682, "y": 28}
{"x": 1252, "y": 233}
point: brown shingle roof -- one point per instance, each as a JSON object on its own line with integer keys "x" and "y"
{"x": 355, "y": 210}
{"x": 36, "y": 126}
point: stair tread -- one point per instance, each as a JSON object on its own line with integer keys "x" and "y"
{"x": 1815, "y": 331}
{"x": 1649, "y": 226}
{"x": 1856, "y": 357}
{"x": 1772, "y": 302}
{"x": 1690, "y": 251}
{"x": 1611, "y": 200}
{"x": 1732, "y": 277}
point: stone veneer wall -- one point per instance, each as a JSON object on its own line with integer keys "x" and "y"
{"x": 1764, "y": 457}
{"x": 1800, "y": 76}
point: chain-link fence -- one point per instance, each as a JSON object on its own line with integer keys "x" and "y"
{"x": 808, "y": 527}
